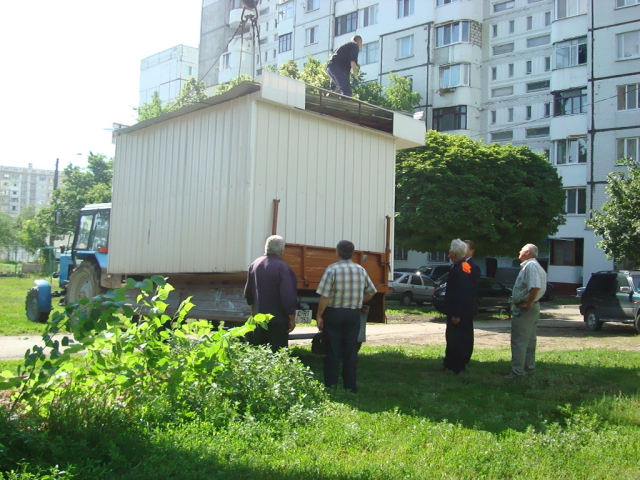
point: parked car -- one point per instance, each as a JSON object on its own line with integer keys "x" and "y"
{"x": 492, "y": 295}
{"x": 411, "y": 287}
{"x": 435, "y": 271}
{"x": 405, "y": 270}
{"x": 507, "y": 276}
{"x": 611, "y": 296}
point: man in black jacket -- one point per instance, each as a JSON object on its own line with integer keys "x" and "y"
{"x": 343, "y": 60}
{"x": 461, "y": 305}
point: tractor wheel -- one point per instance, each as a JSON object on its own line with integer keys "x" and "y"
{"x": 84, "y": 282}
{"x": 31, "y": 304}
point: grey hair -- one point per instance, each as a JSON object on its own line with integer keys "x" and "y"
{"x": 533, "y": 250}
{"x": 459, "y": 248}
{"x": 274, "y": 244}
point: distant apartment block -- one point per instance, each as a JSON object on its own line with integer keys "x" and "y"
{"x": 21, "y": 187}
{"x": 167, "y": 73}
{"x": 560, "y": 76}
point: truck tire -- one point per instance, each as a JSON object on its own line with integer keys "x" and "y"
{"x": 84, "y": 282}
{"x": 637, "y": 323}
{"x": 31, "y": 305}
{"x": 593, "y": 322}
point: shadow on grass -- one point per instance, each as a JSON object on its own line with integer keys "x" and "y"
{"x": 409, "y": 379}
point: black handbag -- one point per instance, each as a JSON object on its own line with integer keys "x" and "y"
{"x": 318, "y": 344}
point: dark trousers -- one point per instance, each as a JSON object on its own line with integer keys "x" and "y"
{"x": 459, "y": 344}
{"x": 341, "y": 328}
{"x": 341, "y": 79}
{"x": 276, "y": 335}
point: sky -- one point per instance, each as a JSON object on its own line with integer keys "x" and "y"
{"x": 72, "y": 67}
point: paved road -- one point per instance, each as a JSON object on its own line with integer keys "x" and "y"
{"x": 560, "y": 327}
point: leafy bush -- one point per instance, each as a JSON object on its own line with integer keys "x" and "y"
{"x": 136, "y": 370}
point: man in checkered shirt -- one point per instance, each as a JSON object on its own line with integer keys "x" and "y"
{"x": 344, "y": 287}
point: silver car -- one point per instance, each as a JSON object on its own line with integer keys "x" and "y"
{"x": 410, "y": 287}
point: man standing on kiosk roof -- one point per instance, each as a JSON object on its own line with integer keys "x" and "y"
{"x": 344, "y": 59}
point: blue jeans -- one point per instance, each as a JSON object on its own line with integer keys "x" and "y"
{"x": 341, "y": 79}
{"x": 341, "y": 328}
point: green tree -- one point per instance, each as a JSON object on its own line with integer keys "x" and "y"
{"x": 314, "y": 73}
{"x": 399, "y": 94}
{"x": 619, "y": 222}
{"x": 500, "y": 196}
{"x": 289, "y": 69}
{"x": 369, "y": 91}
{"x": 154, "y": 108}
{"x": 226, "y": 86}
{"x": 192, "y": 92}
{"x": 80, "y": 186}
{"x": 8, "y": 233}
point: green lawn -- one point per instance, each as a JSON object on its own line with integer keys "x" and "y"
{"x": 13, "y": 318}
{"x": 578, "y": 417}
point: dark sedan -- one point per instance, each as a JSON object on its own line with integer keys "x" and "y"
{"x": 492, "y": 295}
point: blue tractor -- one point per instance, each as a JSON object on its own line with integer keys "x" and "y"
{"x": 81, "y": 268}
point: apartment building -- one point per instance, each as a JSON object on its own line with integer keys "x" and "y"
{"x": 167, "y": 72}
{"x": 21, "y": 187}
{"x": 560, "y": 76}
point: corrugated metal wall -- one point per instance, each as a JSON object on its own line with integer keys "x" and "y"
{"x": 334, "y": 180}
{"x": 180, "y": 196}
{"x": 190, "y": 195}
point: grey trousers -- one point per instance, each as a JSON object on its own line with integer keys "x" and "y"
{"x": 523, "y": 340}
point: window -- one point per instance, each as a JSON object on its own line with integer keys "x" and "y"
{"x": 537, "y": 41}
{"x": 346, "y": 23}
{"x": 528, "y": 67}
{"x": 494, "y": 73}
{"x": 405, "y": 8}
{"x": 452, "y": 33}
{"x": 285, "y": 10}
{"x": 369, "y": 53}
{"x": 284, "y": 42}
{"x": 629, "y": 96}
{"x": 501, "y": 49}
{"x": 512, "y": 26}
{"x": 264, "y": 40}
{"x": 576, "y": 203}
{"x": 511, "y": 69}
{"x": 502, "y": 91}
{"x": 571, "y": 150}
{"x": 264, "y": 11}
{"x": 547, "y": 64}
{"x": 537, "y": 132}
{"x": 400, "y": 253}
{"x": 494, "y": 31}
{"x": 571, "y": 53}
{"x": 547, "y": 109}
{"x": 454, "y": 75}
{"x": 628, "y": 45}
{"x": 266, "y": 56}
{"x": 502, "y": 6}
{"x": 628, "y": 148}
{"x": 405, "y": 47}
{"x": 535, "y": 86}
{"x": 529, "y": 23}
{"x": 569, "y": 8}
{"x": 445, "y": 2}
{"x": 493, "y": 117}
{"x": 502, "y": 136}
{"x": 313, "y": 5}
{"x": 450, "y": 118}
{"x": 570, "y": 102}
{"x": 626, "y": 3}
{"x": 226, "y": 61}
{"x": 312, "y": 35}
{"x": 567, "y": 252}
{"x": 510, "y": 115}
{"x": 527, "y": 114}
{"x": 547, "y": 19}
{"x": 370, "y": 15}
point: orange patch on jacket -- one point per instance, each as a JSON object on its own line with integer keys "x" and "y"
{"x": 466, "y": 268}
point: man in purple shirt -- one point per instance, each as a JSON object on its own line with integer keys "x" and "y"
{"x": 272, "y": 288}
